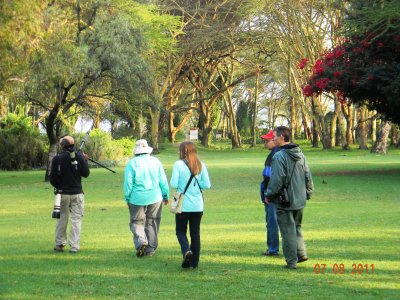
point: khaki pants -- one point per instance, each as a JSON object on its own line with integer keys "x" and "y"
{"x": 74, "y": 205}
{"x": 144, "y": 224}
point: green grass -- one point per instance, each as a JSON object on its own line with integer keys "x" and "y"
{"x": 352, "y": 218}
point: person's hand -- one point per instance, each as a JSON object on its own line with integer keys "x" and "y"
{"x": 85, "y": 156}
{"x": 165, "y": 201}
{"x": 266, "y": 200}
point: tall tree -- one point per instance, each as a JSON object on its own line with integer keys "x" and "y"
{"x": 90, "y": 52}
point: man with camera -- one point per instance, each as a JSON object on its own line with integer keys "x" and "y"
{"x": 67, "y": 170}
{"x": 289, "y": 187}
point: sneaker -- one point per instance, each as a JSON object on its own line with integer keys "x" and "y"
{"x": 302, "y": 259}
{"x": 73, "y": 250}
{"x": 59, "y": 248}
{"x": 141, "y": 250}
{"x": 186, "y": 259}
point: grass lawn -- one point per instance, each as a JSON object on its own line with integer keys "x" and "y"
{"x": 352, "y": 218}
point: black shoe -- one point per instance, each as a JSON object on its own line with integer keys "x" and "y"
{"x": 269, "y": 254}
{"x": 302, "y": 259}
{"x": 59, "y": 248}
{"x": 186, "y": 259}
{"x": 140, "y": 252}
{"x": 290, "y": 267}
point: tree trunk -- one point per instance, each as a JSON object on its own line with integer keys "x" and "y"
{"x": 395, "y": 136}
{"x": 334, "y": 124}
{"x": 348, "y": 114}
{"x": 174, "y": 130}
{"x": 53, "y": 129}
{"x": 373, "y": 131}
{"x": 381, "y": 142}
{"x": 362, "y": 127}
{"x": 254, "y": 125}
{"x": 235, "y": 136}
{"x": 155, "y": 116}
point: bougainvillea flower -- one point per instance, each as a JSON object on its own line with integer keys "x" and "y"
{"x": 337, "y": 73}
{"x": 365, "y": 44}
{"x": 330, "y": 55}
{"x": 322, "y": 83}
{"x": 308, "y": 90}
{"x": 319, "y": 67}
{"x": 302, "y": 63}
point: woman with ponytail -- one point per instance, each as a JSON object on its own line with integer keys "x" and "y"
{"x": 187, "y": 166}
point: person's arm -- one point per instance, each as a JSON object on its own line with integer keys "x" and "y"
{"x": 309, "y": 181}
{"x": 174, "y": 182}
{"x": 84, "y": 165}
{"x": 128, "y": 181}
{"x": 163, "y": 183}
{"x": 204, "y": 178}
{"x": 277, "y": 178}
{"x": 54, "y": 176}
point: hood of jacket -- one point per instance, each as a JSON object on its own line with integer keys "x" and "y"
{"x": 293, "y": 150}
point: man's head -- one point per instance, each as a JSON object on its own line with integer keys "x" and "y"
{"x": 281, "y": 135}
{"x": 67, "y": 142}
{"x": 269, "y": 140}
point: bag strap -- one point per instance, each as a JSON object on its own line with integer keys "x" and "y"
{"x": 187, "y": 185}
{"x": 191, "y": 177}
{"x": 290, "y": 178}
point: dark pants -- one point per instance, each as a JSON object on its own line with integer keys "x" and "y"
{"x": 181, "y": 222}
{"x": 292, "y": 235}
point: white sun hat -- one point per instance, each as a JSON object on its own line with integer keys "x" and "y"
{"x": 141, "y": 147}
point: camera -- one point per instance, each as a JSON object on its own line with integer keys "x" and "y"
{"x": 57, "y": 206}
{"x": 283, "y": 198}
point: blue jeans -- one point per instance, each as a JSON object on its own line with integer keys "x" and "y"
{"x": 272, "y": 228}
{"x": 181, "y": 222}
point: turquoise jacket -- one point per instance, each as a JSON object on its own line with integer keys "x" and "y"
{"x": 145, "y": 181}
{"x": 193, "y": 201}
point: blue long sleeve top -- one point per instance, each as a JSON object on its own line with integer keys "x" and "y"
{"x": 193, "y": 201}
{"x": 145, "y": 181}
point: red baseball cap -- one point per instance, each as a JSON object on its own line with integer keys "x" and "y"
{"x": 268, "y": 136}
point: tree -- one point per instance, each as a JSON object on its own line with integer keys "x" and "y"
{"x": 364, "y": 67}
{"x": 90, "y": 52}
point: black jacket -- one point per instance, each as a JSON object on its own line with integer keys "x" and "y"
{"x": 66, "y": 173}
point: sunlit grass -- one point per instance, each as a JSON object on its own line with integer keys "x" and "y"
{"x": 351, "y": 219}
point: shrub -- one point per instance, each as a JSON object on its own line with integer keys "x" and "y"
{"x": 22, "y": 145}
{"x": 101, "y": 147}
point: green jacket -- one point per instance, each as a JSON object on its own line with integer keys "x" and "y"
{"x": 288, "y": 163}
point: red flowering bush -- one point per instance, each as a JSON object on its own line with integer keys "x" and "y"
{"x": 365, "y": 69}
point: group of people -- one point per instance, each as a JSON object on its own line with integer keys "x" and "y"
{"x": 146, "y": 188}
{"x": 285, "y": 168}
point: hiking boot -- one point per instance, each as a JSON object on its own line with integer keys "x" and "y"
{"x": 141, "y": 250}
{"x": 59, "y": 248}
{"x": 186, "y": 259}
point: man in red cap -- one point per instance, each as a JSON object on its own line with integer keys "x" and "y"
{"x": 270, "y": 208}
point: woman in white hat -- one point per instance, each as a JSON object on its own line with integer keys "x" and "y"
{"x": 145, "y": 186}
